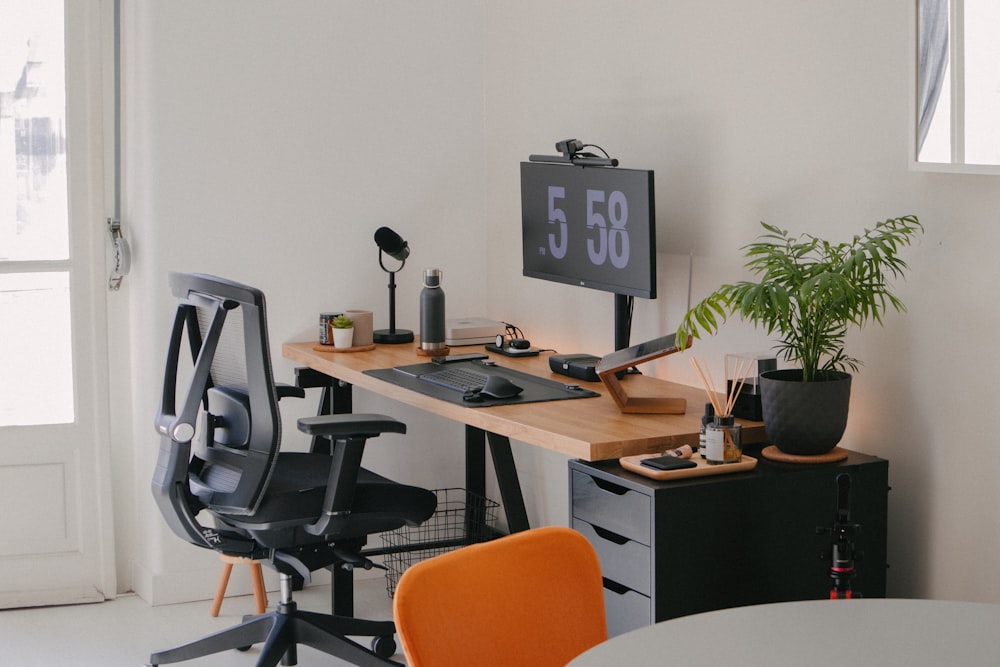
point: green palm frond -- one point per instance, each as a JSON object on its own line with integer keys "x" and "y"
{"x": 810, "y": 291}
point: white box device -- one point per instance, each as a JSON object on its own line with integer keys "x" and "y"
{"x": 471, "y": 331}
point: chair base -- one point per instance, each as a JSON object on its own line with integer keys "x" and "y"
{"x": 281, "y": 631}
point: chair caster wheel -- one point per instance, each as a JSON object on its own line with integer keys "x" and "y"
{"x": 244, "y": 648}
{"x": 384, "y": 647}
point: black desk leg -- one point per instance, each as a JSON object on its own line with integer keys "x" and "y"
{"x": 337, "y": 399}
{"x": 342, "y": 591}
{"x": 506, "y": 471}
{"x": 510, "y": 485}
{"x": 475, "y": 461}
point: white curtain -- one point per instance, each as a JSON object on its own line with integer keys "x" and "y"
{"x": 933, "y": 54}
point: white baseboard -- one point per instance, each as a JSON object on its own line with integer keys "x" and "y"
{"x": 196, "y": 584}
{"x": 50, "y": 597}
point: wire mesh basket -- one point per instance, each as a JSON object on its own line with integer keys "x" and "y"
{"x": 461, "y": 518}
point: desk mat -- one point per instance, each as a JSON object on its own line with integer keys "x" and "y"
{"x": 536, "y": 389}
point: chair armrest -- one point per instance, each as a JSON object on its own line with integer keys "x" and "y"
{"x": 288, "y": 390}
{"x": 349, "y": 433}
{"x": 364, "y": 425}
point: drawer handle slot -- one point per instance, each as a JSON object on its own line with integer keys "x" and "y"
{"x": 615, "y": 587}
{"x": 608, "y": 536}
{"x": 610, "y": 487}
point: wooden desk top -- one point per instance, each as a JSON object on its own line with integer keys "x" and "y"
{"x": 587, "y": 428}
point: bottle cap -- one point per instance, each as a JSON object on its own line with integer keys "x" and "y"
{"x": 432, "y": 277}
{"x": 709, "y": 414}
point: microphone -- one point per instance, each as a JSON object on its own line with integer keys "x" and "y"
{"x": 392, "y": 244}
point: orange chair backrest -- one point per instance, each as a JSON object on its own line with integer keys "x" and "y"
{"x": 531, "y": 599}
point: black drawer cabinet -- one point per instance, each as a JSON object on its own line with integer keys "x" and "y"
{"x": 669, "y": 549}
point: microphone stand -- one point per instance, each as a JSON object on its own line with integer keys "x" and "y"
{"x": 842, "y": 552}
{"x": 392, "y": 336}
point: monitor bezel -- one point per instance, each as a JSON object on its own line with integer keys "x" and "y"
{"x": 647, "y": 289}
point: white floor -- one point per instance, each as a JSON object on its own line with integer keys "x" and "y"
{"x": 125, "y": 630}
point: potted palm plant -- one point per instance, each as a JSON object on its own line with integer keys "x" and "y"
{"x": 809, "y": 292}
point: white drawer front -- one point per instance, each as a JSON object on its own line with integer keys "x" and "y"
{"x": 612, "y": 507}
{"x": 626, "y": 610}
{"x": 624, "y": 561}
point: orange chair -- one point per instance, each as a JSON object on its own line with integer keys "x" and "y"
{"x": 533, "y": 598}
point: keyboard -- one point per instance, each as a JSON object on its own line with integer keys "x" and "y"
{"x": 461, "y": 380}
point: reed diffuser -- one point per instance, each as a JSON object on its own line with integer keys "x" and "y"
{"x": 723, "y": 437}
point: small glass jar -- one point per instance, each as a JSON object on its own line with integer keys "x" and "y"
{"x": 706, "y": 419}
{"x": 723, "y": 441}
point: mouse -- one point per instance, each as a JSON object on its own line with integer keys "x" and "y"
{"x": 497, "y": 386}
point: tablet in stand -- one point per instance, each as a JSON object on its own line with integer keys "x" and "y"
{"x": 612, "y": 364}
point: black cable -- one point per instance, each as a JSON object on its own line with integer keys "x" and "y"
{"x": 598, "y": 148}
{"x": 630, "y": 307}
{"x": 628, "y": 319}
{"x": 512, "y": 330}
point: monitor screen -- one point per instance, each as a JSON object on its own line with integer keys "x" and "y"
{"x": 589, "y": 226}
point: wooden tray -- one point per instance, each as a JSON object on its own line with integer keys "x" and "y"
{"x": 330, "y": 348}
{"x": 632, "y": 463}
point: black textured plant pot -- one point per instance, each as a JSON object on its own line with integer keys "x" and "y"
{"x": 804, "y": 418}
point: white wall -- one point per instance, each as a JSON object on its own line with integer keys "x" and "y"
{"x": 796, "y": 113}
{"x": 267, "y": 141}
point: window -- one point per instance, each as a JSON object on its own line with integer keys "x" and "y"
{"x": 959, "y": 82}
{"x": 36, "y": 358}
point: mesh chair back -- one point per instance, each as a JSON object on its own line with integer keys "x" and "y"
{"x": 221, "y": 407}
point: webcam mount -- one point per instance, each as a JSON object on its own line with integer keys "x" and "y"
{"x": 570, "y": 153}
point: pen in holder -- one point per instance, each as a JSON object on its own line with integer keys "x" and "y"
{"x": 723, "y": 436}
{"x": 748, "y": 404}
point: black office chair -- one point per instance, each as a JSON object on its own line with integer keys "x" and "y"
{"x": 298, "y": 512}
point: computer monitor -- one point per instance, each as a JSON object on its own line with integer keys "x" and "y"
{"x": 592, "y": 227}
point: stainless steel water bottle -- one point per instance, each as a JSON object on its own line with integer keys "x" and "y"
{"x": 432, "y": 312}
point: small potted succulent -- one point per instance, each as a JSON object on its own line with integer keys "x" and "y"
{"x": 809, "y": 292}
{"x": 343, "y": 331}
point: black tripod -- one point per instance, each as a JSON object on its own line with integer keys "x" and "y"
{"x": 842, "y": 553}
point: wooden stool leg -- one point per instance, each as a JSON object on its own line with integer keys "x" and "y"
{"x": 220, "y": 591}
{"x": 259, "y": 592}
